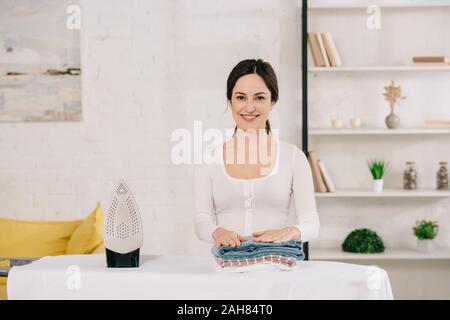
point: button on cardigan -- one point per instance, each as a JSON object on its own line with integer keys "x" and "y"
{"x": 250, "y": 205}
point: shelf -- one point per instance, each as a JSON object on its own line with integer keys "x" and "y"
{"x": 388, "y": 254}
{"x": 434, "y": 67}
{"x": 391, "y": 4}
{"x": 386, "y": 193}
{"x": 376, "y": 131}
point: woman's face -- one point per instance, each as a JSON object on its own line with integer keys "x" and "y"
{"x": 251, "y": 102}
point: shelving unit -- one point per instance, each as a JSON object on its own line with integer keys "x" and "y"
{"x": 390, "y": 253}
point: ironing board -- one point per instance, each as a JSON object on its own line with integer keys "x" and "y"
{"x": 187, "y": 277}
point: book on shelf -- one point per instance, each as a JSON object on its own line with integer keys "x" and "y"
{"x": 319, "y": 184}
{"x": 323, "y": 51}
{"x": 431, "y": 59}
{"x": 330, "y": 48}
{"x": 436, "y": 124}
{"x": 326, "y": 177}
{"x": 315, "y": 49}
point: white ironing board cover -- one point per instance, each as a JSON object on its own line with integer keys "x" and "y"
{"x": 188, "y": 277}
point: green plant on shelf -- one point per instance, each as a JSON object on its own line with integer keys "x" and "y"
{"x": 363, "y": 241}
{"x": 378, "y": 168}
{"x": 425, "y": 229}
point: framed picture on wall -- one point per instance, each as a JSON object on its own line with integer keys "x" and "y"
{"x": 40, "y": 74}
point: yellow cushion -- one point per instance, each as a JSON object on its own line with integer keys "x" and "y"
{"x": 100, "y": 248}
{"x": 3, "y": 294}
{"x": 32, "y": 239}
{"x": 89, "y": 234}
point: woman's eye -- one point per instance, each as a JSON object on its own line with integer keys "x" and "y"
{"x": 260, "y": 98}
{"x": 240, "y": 98}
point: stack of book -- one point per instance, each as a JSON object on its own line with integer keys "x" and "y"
{"x": 321, "y": 178}
{"x": 323, "y": 50}
{"x": 437, "y": 124}
{"x": 431, "y": 59}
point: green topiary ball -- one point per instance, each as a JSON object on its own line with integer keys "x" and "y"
{"x": 363, "y": 241}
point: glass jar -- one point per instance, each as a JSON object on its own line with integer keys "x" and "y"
{"x": 410, "y": 176}
{"x": 442, "y": 176}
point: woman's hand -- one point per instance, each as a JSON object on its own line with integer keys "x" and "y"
{"x": 226, "y": 237}
{"x": 277, "y": 235}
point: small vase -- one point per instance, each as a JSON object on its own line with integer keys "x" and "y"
{"x": 355, "y": 122}
{"x": 392, "y": 120}
{"x": 377, "y": 185}
{"x": 426, "y": 245}
{"x": 336, "y": 123}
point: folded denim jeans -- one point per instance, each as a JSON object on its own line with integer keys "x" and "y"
{"x": 252, "y": 249}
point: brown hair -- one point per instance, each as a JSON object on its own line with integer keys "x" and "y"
{"x": 251, "y": 66}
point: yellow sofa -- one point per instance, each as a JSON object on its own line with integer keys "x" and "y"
{"x": 36, "y": 239}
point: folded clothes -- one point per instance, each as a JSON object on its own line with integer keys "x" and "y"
{"x": 273, "y": 259}
{"x": 251, "y": 249}
{"x": 266, "y": 265}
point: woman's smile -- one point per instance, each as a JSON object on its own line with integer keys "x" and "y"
{"x": 249, "y": 117}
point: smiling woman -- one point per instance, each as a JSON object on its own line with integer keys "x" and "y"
{"x": 247, "y": 198}
{"x": 252, "y": 89}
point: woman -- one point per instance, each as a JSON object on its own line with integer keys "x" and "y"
{"x": 238, "y": 198}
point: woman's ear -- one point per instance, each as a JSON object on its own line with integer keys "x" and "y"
{"x": 272, "y": 104}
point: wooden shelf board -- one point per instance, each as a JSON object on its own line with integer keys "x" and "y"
{"x": 388, "y": 254}
{"x": 422, "y": 67}
{"x": 376, "y": 131}
{"x": 386, "y": 193}
{"x": 391, "y": 4}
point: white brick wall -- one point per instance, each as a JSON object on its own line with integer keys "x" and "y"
{"x": 149, "y": 67}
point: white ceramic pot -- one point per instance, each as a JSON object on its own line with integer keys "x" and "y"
{"x": 355, "y": 122}
{"x": 426, "y": 245}
{"x": 377, "y": 185}
{"x": 336, "y": 123}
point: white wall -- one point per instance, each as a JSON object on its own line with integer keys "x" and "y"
{"x": 150, "y": 67}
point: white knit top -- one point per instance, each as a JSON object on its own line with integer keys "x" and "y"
{"x": 249, "y": 205}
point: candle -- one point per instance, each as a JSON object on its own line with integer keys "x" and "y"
{"x": 355, "y": 122}
{"x": 336, "y": 123}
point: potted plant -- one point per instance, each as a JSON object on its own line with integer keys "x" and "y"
{"x": 392, "y": 95}
{"x": 425, "y": 231}
{"x": 363, "y": 241}
{"x": 378, "y": 169}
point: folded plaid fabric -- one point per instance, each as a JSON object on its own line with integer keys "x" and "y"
{"x": 257, "y": 264}
{"x": 286, "y": 261}
{"x": 251, "y": 249}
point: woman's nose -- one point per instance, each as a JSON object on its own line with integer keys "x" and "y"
{"x": 250, "y": 108}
